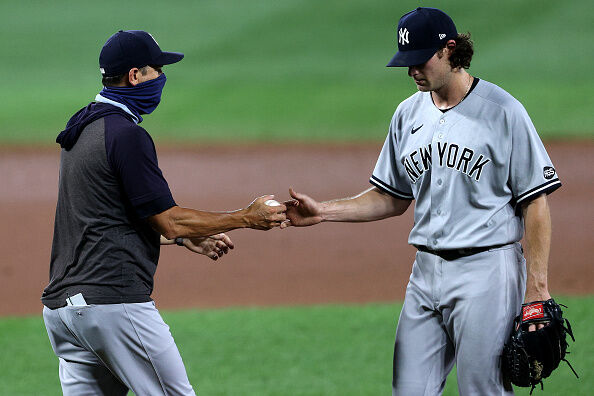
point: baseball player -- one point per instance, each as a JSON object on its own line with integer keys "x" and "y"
{"x": 114, "y": 210}
{"x": 467, "y": 153}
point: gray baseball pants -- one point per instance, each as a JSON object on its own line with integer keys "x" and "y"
{"x": 458, "y": 312}
{"x": 112, "y": 348}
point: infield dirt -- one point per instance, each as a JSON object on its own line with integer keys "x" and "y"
{"x": 329, "y": 263}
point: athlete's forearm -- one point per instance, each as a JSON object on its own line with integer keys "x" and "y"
{"x": 370, "y": 205}
{"x": 190, "y": 223}
{"x": 537, "y": 223}
{"x": 197, "y": 223}
{"x": 178, "y": 222}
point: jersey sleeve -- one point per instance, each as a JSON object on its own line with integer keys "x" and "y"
{"x": 389, "y": 175}
{"x": 132, "y": 156}
{"x": 531, "y": 171}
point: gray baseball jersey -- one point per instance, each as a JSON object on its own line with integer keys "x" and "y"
{"x": 467, "y": 168}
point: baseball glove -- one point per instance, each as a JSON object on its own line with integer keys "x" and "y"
{"x": 530, "y": 356}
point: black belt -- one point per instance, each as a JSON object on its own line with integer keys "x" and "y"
{"x": 454, "y": 254}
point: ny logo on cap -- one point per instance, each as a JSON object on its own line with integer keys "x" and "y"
{"x": 403, "y": 36}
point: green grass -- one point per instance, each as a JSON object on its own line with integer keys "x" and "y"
{"x": 287, "y": 69}
{"x": 319, "y": 350}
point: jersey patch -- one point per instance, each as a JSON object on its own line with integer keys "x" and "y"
{"x": 451, "y": 155}
{"x": 548, "y": 172}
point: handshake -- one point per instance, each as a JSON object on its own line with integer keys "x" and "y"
{"x": 265, "y": 213}
{"x": 204, "y": 232}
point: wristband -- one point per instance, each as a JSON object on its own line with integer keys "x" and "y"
{"x": 179, "y": 241}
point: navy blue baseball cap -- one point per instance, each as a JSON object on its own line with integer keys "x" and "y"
{"x": 421, "y": 33}
{"x": 133, "y": 48}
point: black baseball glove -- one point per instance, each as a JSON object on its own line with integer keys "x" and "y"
{"x": 530, "y": 356}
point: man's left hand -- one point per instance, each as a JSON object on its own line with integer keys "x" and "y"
{"x": 214, "y": 246}
{"x": 531, "y": 297}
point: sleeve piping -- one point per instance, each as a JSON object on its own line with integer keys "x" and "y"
{"x": 545, "y": 188}
{"x": 388, "y": 189}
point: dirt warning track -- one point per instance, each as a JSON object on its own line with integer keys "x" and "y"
{"x": 329, "y": 263}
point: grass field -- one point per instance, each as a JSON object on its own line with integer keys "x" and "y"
{"x": 286, "y": 69}
{"x": 320, "y": 350}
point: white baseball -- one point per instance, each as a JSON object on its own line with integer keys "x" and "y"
{"x": 272, "y": 202}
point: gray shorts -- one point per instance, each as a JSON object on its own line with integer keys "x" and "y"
{"x": 112, "y": 348}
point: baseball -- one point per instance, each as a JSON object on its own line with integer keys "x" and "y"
{"x": 272, "y": 202}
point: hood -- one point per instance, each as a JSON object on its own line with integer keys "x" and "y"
{"x": 68, "y": 137}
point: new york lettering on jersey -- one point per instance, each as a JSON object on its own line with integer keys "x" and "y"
{"x": 451, "y": 140}
{"x": 451, "y": 155}
{"x": 467, "y": 168}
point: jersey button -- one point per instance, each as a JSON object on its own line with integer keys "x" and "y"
{"x": 438, "y": 211}
{"x": 441, "y": 121}
{"x": 440, "y": 135}
{"x": 435, "y": 241}
{"x": 439, "y": 182}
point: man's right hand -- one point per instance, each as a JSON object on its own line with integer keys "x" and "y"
{"x": 260, "y": 216}
{"x": 302, "y": 211}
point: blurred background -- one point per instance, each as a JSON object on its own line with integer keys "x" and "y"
{"x": 286, "y": 69}
{"x": 273, "y": 94}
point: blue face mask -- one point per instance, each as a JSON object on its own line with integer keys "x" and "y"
{"x": 140, "y": 99}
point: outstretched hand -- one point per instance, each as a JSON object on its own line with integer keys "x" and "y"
{"x": 302, "y": 211}
{"x": 214, "y": 246}
{"x": 261, "y": 216}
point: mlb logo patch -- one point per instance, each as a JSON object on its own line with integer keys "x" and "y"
{"x": 532, "y": 311}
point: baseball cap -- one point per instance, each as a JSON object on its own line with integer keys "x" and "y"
{"x": 133, "y": 48}
{"x": 421, "y": 33}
